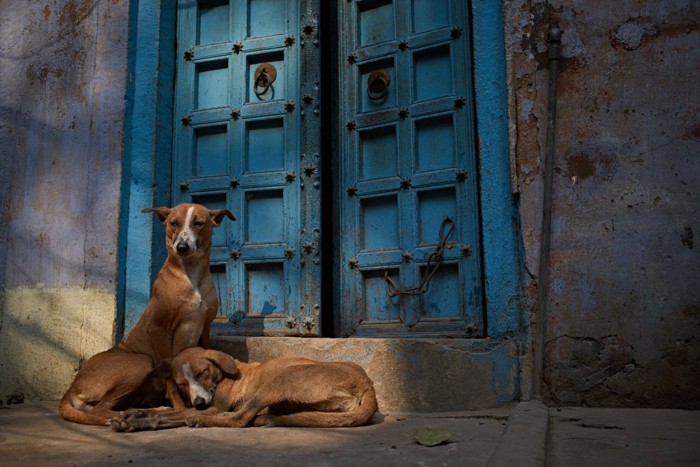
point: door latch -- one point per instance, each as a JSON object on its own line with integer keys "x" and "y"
{"x": 265, "y": 74}
{"x": 378, "y": 84}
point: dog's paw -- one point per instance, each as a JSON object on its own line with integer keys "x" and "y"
{"x": 264, "y": 421}
{"x": 131, "y": 414}
{"x": 194, "y": 421}
{"x": 120, "y": 424}
{"x": 130, "y": 424}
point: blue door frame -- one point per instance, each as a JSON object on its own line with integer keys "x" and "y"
{"x": 147, "y": 174}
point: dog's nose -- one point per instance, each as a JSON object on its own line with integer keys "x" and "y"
{"x": 182, "y": 247}
{"x": 199, "y": 403}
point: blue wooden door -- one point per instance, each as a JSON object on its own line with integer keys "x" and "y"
{"x": 246, "y": 139}
{"x": 409, "y": 222}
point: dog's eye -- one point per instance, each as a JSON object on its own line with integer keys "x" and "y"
{"x": 198, "y": 223}
{"x": 173, "y": 223}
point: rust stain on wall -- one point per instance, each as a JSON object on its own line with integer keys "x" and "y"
{"x": 591, "y": 159}
{"x": 75, "y": 12}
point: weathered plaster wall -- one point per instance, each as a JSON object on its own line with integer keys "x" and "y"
{"x": 62, "y": 91}
{"x": 474, "y": 373}
{"x": 624, "y": 306}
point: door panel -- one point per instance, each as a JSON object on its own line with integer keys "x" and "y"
{"x": 408, "y": 171}
{"x": 240, "y": 138}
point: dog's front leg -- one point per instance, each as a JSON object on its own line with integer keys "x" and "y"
{"x": 154, "y": 422}
{"x": 239, "y": 419}
{"x": 173, "y": 394}
{"x": 154, "y": 419}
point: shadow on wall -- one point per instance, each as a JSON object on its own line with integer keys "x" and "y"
{"x": 61, "y": 129}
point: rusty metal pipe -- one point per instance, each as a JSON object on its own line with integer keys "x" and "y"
{"x": 554, "y": 41}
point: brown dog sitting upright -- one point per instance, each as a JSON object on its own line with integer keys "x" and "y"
{"x": 182, "y": 305}
{"x": 228, "y": 393}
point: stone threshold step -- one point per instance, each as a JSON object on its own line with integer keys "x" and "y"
{"x": 410, "y": 375}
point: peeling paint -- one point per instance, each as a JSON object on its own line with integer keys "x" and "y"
{"x": 631, "y": 34}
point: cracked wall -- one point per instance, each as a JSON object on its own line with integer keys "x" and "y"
{"x": 623, "y": 309}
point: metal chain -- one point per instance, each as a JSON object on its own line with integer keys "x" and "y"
{"x": 434, "y": 262}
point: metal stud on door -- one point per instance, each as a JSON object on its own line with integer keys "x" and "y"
{"x": 409, "y": 208}
{"x": 238, "y": 137}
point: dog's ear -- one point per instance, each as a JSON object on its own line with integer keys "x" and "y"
{"x": 225, "y": 362}
{"x": 218, "y": 215}
{"x": 162, "y": 212}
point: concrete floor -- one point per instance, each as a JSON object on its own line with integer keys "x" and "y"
{"x": 523, "y": 434}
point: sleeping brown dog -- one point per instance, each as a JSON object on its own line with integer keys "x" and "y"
{"x": 296, "y": 391}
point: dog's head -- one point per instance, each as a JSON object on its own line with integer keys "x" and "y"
{"x": 197, "y": 371}
{"x": 188, "y": 227}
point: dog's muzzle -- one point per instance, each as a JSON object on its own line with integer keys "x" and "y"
{"x": 185, "y": 245}
{"x": 199, "y": 403}
{"x": 199, "y": 395}
{"x": 182, "y": 248}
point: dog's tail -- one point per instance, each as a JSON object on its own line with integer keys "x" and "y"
{"x": 71, "y": 413}
{"x": 359, "y": 416}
